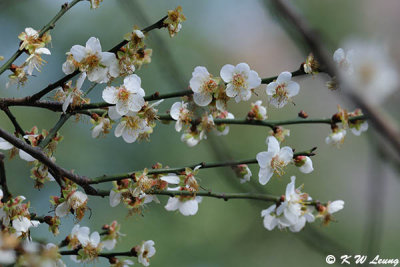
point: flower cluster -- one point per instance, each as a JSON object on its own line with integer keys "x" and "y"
{"x": 173, "y": 21}
{"x": 71, "y": 200}
{"x": 34, "y": 44}
{"x": 134, "y": 54}
{"x": 293, "y": 210}
{"x": 15, "y": 216}
{"x": 338, "y": 134}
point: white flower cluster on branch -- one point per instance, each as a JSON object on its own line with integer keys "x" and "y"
{"x": 202, "y": 110}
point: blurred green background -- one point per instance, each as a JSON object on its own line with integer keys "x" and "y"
{"x": 216, "y": 33}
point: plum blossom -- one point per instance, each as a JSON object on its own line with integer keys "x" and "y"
{"x": 102, "y": 126}
{"x": 131, "y": 126}
{"x": 203, "y": 86}
{"x": 99, "y": 66}
{"x": 128, "y": 97}
{"x": 173, "y": 21}
{"x": 35, "y": 61}
{"x": 344, "y": 60}
{"x": 282, "y": 90}
{"x": 145, "y": 251}
{"x": 374, "y": 75}
{"x": 258, "y": 111}
{"x": 357, "y": 129}
{"x": 291, "y": 212}
{"x": 77, "y": 200}
{"x": 326, "y": 211}
{"x": 336, "y": 138}
{"x": 223, "y": 129}
{"x": 22, "y": 224}
{"x": 187, "y": 206}
{"x": 180, "y": 113}
{"x": 71, "y": 95}
{"x": 243, "y": 172}
{"x": 240, "y": 81}
{"x": 304, "y": 163}
{"x": 4, "y": 145}
{"x": 274, "y": 160}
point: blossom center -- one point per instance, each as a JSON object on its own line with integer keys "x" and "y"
{"x": 277, "y": 164}
{"x": 123, "y": 94}
{"x": 280, "y": 92}
{"x": 210, "y": 86}
{"x": 238, "y": 80}
{"x": 91, "y": 61}
{"x": 133, "y": 122}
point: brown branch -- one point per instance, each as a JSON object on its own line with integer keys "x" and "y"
{"x": 385, "y": 128}
{"x": 38, "y": 154}
{"x": 3, "y": 181}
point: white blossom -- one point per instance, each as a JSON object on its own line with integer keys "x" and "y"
{"x": 131, "y": 126}
{"x": 336, "y": 138}
{"x": 186, "y": 206}
{"x": 128, "y": 97}
{"x": 75, "y": 201}
{"x": 99, "y": 66}
{"x": 146, "y": 251}
{"x": 359, "y": 128}
{"x": 203, "y": 86}
{"x": 374, "y": 75}
{"x": 240, "y": 81}
{"x": 34, "y": 61}
{"x": 335, "y": 206}
{"x": 5, "y": 145}
{"x": 274, "y": 160}
{"x": 282, "y": 90}
{"x": 22, "y": 224}
{"x": 180, "y": 113}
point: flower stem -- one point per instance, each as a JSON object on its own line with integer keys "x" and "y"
{"x": 204, "y": 165}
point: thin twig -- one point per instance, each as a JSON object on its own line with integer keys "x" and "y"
{"x": 38, "y": 154}
{"x": 17, "y": 127}
{"x": 108, "y": 255}
{"x": 3, "y": 180}
{"x": 203, "y": 165}
{"x": 53, "y": 132}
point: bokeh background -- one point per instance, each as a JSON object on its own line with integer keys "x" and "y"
{"x": 216, "y": 33}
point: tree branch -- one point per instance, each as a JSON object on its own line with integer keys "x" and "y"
{"x": 108, "y": 255}
{"x": 17, "y": 127}
{"x": 272, "y": 123}
{"x": 3, "y": 181}
{"x": 53, "y": 132}
{"x": 204, "y": 165}
{"x": 64, "y": 8}
{"x": 38, "y": 154}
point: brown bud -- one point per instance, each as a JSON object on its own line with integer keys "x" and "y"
{"x": 303, "y": 114}
{"x": 282, "y": 199}
{"x": 13, "y": 67}
{"x": 336, "y": 117}
{"x": 112, "y": 260}
{"x": 94, "y": 116}
{"x": 48, "y": 220}
{"x": 105, "y": 227}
